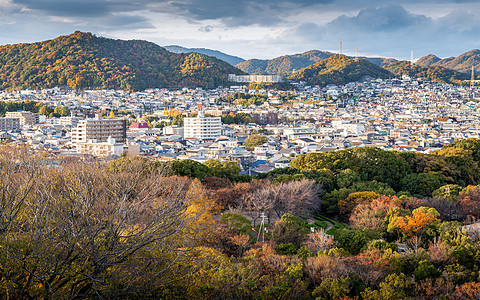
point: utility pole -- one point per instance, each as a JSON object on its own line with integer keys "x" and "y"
{"x": 262, "y": 227}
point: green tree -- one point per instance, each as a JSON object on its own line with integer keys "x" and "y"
{"x": 190, "y": 168}
{"x": 394, "y": 287}
{"x": 422, "y": 184}
{"x": 333, "y": 288}
{"x": 255, "y": 140}
{"x": 449, "y": 191}
{"x": 227, "y": 169}
{"x": 61, "y": 111}
{"x": 290, "y": 229}
{"x": 426, "y": 269}
{"x": 351, "y": 240}
{"x": 237, "y": 222}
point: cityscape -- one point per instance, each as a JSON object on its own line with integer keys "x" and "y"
{"x": 186, "y": 149}
{"x": 406, "y": 114}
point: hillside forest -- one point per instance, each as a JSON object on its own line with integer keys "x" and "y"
{"x": 360, "y": 223}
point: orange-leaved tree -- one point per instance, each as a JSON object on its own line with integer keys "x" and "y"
{"x": 416, "y": 224}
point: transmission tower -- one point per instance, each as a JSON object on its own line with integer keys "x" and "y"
{"x": 472, "y": 82}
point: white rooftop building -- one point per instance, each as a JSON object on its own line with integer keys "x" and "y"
{"x": 202, "y": 127}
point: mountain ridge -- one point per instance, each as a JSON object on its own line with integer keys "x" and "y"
{"x": 432, "y": 73}
{"x": 339, "y": 69}
{"x": 287, "y": 64}
{"x": 462, "y": 63}
{"x": 231, "y": 59}
{"x": 83, "y": 60}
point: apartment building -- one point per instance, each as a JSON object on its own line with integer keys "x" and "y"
{"x": 26, "y": 117}
{"x": 69, "y": 121}
{"x": 101, "y": 149}
{"x": 202, "y": 127}
{"x": 99, "y": 129}
{"x": 9, "y": 124}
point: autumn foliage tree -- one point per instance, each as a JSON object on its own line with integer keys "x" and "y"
{"x": 347, "y": 205}
{"x": 415, "y": 224}
{"x": 83, "y": 229}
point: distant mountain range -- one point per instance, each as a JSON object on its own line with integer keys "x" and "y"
{"x": 83, "y": 60}
{"x": 233, "y": 60}
{"x": 462, "y": 63}
{"x": 339, "y": 69}
{"x": 283, "y": 65}
{"x": 287, "y": 64}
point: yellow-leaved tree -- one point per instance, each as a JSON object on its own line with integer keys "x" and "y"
{"x": 200, "y": 211}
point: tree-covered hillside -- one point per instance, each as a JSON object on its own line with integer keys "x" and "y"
{"x": 283, "y": 65}
{"x": 83, "y": 60}
{"x": 462, "y": 63}
{"x": 339, "y": 69}
{"x": 432, "y": 73}
{"x": 287, "y": 64}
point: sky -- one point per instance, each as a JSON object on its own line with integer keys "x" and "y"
{"x": 258, "y": 28}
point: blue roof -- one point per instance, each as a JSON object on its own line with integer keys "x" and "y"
{"x": 259, "y": 162}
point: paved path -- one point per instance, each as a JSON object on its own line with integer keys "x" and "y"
{"x": 329, "y": 224}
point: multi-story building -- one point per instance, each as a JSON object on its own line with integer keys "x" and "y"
{"x": 101, "y": 149}
{"x": 99, "y": 130}
{"x": 265, "y": 118}
{"x": 69, "y": 121}
{"x": 173, "y": 130}
{"x": 202, "y": 127}
{"x": 9, "y": 124}
{"x": 26, "y": 117}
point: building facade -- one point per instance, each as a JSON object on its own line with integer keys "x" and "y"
{"x": 202, "y": 127}
{"x": 99, "y": 130}
{"x": 26, "y": 117}
{"x": 254, "y": 78}
{"x": 9, "y": 124}
{"x": 101, "y": 149}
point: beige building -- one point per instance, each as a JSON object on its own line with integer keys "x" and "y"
{"x": 173, "y": 130}
{"x": 99, "y": 130}
{"x": 26, "y": 117}
{"x": 9, "y": 124}
{"x": 101, "y": 149}
{"x": 69, "y": 121}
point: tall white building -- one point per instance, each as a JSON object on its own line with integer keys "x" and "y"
{"x": 100, "y": 130}
{"x": 202, "y": 127}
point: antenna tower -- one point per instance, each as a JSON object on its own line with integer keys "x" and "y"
{"x": 356, "y": 52}
{"x": 473, "y": 78}
{"x": 472, "y": 81}
{"x": 340, "y": 47}
{"x": 411, "y": 57}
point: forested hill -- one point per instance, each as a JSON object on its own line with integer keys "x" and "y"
{"x": 432, "y": 73}
{"x": 285, "y": 65}
{"x": 462, "y": 63}
{"x": 83, "y": 60}
{"x": 339, "y": 69}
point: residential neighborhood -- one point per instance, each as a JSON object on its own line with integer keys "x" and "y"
{"x": 392, "y": 114}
